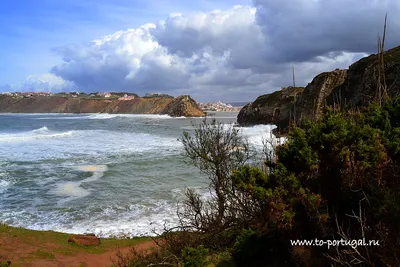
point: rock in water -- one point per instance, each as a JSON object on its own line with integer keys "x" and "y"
{"x": 84, "y": 240}
{"x": 183, "y": 106}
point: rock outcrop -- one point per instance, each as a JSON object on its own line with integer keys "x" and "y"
{"x": 274, "y": 108}
{"x": 354, "y": 87}
{"x": 61, "y": 104}
{"x": 360, "y": 86}
{"x": 312, "y": 101}
{"x": 183, "y": 106}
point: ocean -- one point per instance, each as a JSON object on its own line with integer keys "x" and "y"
{"x": 111, "y": 175}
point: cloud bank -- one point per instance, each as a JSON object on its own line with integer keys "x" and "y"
{"x": 232, "y": 55}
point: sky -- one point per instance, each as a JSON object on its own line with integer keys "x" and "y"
{"x": 228, "y": 50}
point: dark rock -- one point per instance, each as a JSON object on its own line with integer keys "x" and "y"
{"x": 312, "y": 101}
{"x": 274, "y": 108}
{"x": 351, "y": 88}
{"x": 360, "y": 86}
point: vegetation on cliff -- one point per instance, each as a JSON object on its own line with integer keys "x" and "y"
{"x": 350, "y": 88}
{"x": 274, "y": 108}
{"x": 334, "y": 179}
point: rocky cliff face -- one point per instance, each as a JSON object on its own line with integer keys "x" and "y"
{"x": 57, "y": 104}
{"x": 353, "y": 87}
{"x": 360, "y": 86}
{"x": 272, "y": 108}
{"x": 183, "y": 106}
{"x": 312, "y": 101}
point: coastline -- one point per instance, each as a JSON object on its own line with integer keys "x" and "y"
{"x": 175, "y": 107}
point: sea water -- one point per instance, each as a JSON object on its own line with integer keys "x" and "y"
{"x": 112, "y": 175}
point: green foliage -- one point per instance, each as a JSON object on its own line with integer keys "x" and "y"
{"x": 297, "y": 155}
{"x": 254, "y": 249}
{"x": 195, "y": 257}
{"x": 5, "y": 263}
{"x": 334, "y": 178}
{"x": 342, "y": 163}
{"x": 277, "y": 196}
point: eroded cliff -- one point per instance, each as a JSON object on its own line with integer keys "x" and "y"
{"x": 183, "y": 106}
{"x": 312, "y": 101}
{"x": 354, "y": 87}
{"x": 360, "y": 86}
{"x": 274, "y": 108}
{"x": 58, "y": 104}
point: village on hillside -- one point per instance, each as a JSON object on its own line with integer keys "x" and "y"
{"x": 218, "y": 106}
{"x": 116, "y": 96}
{"x": 121, "y": 96}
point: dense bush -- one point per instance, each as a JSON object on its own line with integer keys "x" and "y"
{"x": 195, "y": 257}
{"x": 335, "y": 178}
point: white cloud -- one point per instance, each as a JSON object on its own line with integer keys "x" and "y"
{"x": 41, "y": 83}
{"x": 234, "y": 54}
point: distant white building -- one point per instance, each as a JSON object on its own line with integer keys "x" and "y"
{"x": 126, "y": 97}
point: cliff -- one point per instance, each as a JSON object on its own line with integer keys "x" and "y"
{"x": 272, "y": 108}
{"x": 183, "y": 106}
{"x": 62, "y": 104}
{"x": 313, "y": 99}
{"x": 360, "y": 86}
{"x": 351, "y": 88}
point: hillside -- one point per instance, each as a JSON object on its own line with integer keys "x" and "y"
{"x": 67, "y": 104}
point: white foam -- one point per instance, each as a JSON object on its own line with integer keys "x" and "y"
{"x": 256, "y": 135}
{"x": 118, "y": 219}
{"x": 74, "y": 189}
{"x": 3, "y": 185}
{"x": 102, "y": 116}
{"x": 120, "y": 215}
{"x": 63, "y": 118}
{"x": 71, "y": 189}
{"x": 41, "y": 133}
{"x": 44, "y": 129}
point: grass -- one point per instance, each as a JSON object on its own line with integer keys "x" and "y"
{"x": 47, "y": 245}
{"x": 43, "y": 255}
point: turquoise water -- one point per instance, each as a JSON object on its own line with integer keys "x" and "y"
{"x": 113, "y": 175}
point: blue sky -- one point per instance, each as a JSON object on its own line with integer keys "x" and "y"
{"x": 229, "y": 50}
{"x": 29, "y": 29}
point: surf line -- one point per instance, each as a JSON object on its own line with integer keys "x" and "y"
{"x": 74, "y": 189}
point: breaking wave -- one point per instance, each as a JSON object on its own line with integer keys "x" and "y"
{"x": 112, "y": 178}
{"x": 40, "y": 133}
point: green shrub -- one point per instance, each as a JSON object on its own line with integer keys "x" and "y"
{"x": 5, "y": 263}
{"x": 195, "y": 257}
{"x": 252, "y": 249}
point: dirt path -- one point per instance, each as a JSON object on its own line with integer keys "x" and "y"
{"x": 36, "y": 249}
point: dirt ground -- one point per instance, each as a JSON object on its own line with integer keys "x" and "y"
{"x": 45, "y": 248}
